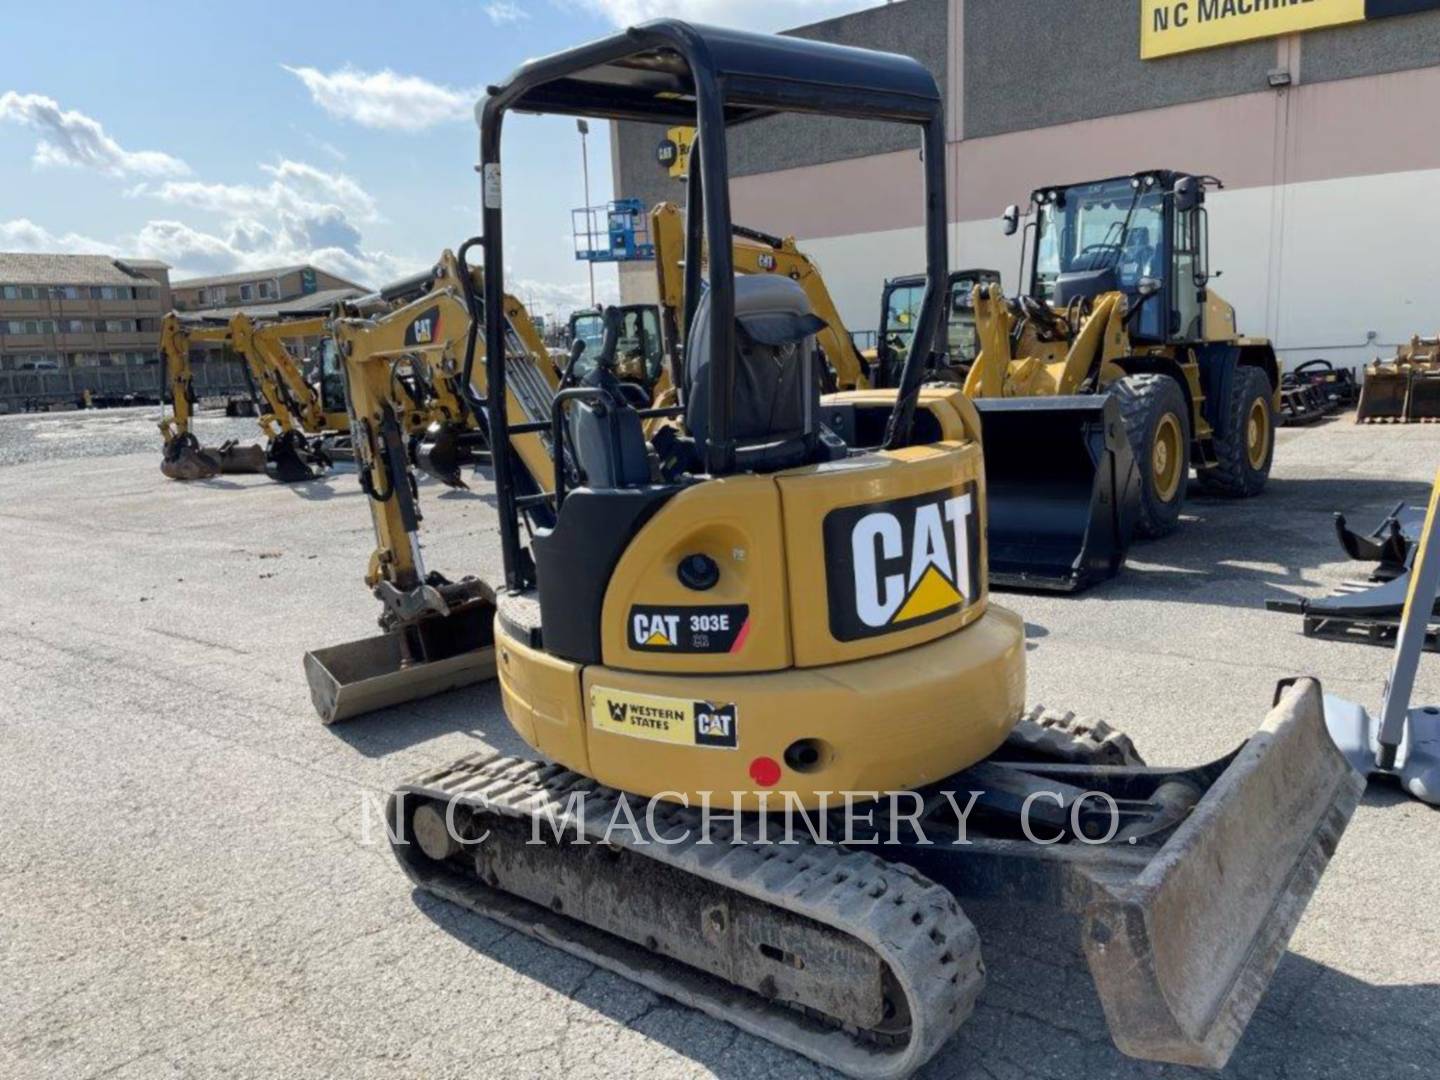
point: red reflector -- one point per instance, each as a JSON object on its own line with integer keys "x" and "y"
{"x": 765, "y": 771}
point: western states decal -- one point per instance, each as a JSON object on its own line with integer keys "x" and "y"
{"x": 679, "y": 721}
{"x": 720, "y": 628}
{"x": 894, "y": 565}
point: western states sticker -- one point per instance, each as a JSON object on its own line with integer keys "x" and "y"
{"x": 678, "y": 721}
{"x": 720, "y": 628}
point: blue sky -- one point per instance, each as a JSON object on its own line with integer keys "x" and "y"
{"x": 339, "y": 133}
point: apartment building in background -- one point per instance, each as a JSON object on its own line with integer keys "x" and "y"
{"x": 64, "y": 312}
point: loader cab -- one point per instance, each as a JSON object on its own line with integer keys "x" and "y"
{"x": 1144, "y": 235}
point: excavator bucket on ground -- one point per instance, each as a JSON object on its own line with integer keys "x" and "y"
{"x": 1424, "y": 401}
{"x": 1384, "y": 394}
{"x": 1063, "y": 490}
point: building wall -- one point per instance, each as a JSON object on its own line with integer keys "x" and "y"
{"x": 1318, "y": 233}
{"x": 200, "y": 294}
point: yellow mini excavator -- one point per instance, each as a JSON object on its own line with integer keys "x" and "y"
{"x": 1116, "y": 351}
{"x": 183, "y": 458}
{"x": 755, "y": 612}
{"x": 900, "y": 308}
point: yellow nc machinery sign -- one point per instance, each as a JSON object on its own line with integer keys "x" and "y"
{"x": 1175, "y": 26}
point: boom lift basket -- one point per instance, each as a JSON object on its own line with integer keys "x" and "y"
{"x": 1062, "y": 487}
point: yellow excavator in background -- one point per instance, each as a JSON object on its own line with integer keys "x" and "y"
{"x": 290, "y": 406}
{"x": 183, "y": 457}
{"x": 756, "y": 252}
{"x": 752, "y": 612}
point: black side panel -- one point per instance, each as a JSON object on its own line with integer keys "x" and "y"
{"x": 574, "y": 561}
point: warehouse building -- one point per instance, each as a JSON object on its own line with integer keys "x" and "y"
{"x": 1318, "y": 117}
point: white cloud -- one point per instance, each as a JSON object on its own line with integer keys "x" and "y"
{"x": 503, "y": 12}
{"x": 71, "y": 138}
{"x": 297, "y": 188}
{"x": 22, "y": 234}
{"x": 748, "y": 14}
{"x": 544, "y": 297}
{"x": 385, "y": 99}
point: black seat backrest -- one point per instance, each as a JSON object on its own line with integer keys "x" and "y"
{"x": 775, "y": 414}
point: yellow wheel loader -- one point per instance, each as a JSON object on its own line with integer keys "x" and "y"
{"x": 1117, "y": 349}
{"x": 760, "y": 614}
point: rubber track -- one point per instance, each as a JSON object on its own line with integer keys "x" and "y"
{"x": 1063, "y": 736}
{"x": 914, "y": 925}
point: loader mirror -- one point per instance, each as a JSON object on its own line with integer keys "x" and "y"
{"x": 1011, "y": 219}
{"x": 1148, "y": 286}
{"x": 1188, "y": 194}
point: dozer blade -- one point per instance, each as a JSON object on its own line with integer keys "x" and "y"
{"x": 1383, "y": 396}
{"x": 1062, "y": 489}
{"x": 1182, "y": 952}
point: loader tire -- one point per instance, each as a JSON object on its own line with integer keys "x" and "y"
{"x": 1245, "y": 443}
{"x": 1060, "y": 736}
{"x": 1157, "y": 421}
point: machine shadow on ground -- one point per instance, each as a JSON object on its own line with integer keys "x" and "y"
{"x": 471, "y": 711}
{"x": 1039, "y": 996}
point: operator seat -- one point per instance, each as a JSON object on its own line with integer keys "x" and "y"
{"x": 775, "y": 416}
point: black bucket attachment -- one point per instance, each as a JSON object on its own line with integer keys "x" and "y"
{"x": 1062, "y": 489}
{"x": 1424, "y": 395}
{"x": 186, "y": 459}
{"x": 291, "y": 459}
{"x": 445, "y": 449}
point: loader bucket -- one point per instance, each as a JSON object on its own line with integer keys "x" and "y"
{"x": 1424, "y": 395}
{"x": 1383, "y": 395}
{"x": 1182, "y": 951}
{"x": 358, "y": 677}
{"x": 1062, "y": 489}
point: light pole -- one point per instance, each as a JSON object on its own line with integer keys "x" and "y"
{"x": 584, "y": 130}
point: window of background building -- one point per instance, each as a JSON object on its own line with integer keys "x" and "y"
{"x": 82, "y": 359}
{"x": 267, "y": 290}
{"x": 247, "y": 292}
{"x": 29, "y": 292}
{"x": 10, "y": 292}
{"x": 73, "y": 326}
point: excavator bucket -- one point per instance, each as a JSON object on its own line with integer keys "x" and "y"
{"x": 1063, "y": 490}
{"x": 291, "y": 459}
{"x": 1383, "y": 395}
{"x": 186, "y": 459}
{"x": 235, "y": 458}
{"x": 435, "y": 654}
{"x": 444, "y": 450}
{"x": 1424, "y": 395}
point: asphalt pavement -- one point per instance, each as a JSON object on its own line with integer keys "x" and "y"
{"x": 193, "y": 875}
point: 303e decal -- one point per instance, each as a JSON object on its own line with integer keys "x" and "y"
{"x": 715, "y": 628}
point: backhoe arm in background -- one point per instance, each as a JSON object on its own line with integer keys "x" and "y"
{"x": 755, "y": 252}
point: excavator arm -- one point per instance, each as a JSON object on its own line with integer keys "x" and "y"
{"x": 755, "y": 252}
